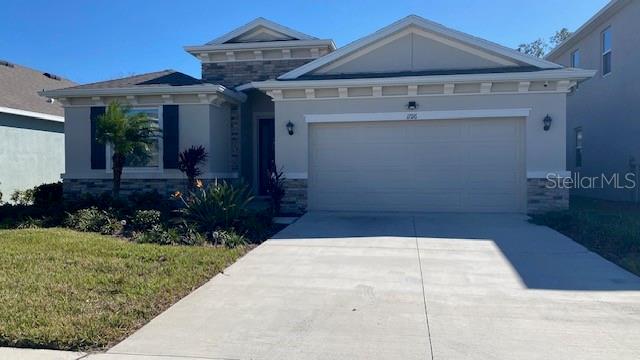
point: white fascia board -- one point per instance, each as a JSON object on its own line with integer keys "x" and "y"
{"x": 32, "y": 114}
{"x": 417, "y": 21}
{"x": 257, "y": 23}
{"x": 610, "y": 9}
{"x": 266, "y": 45}
{"x": 543, "y": 75}
{"x": 417, "y": 115}
{"x": 160, "y": 90}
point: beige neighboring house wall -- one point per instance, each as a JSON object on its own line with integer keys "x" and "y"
{"x": 31, "y": 129}
{"x": 606, "y": 108}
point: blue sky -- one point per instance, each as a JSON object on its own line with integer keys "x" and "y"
{"x": 93, "y": 40}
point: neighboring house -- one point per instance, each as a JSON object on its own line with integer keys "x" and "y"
{"x": 31, "y": 129}
{"x": 414, "y": 117}
{"x": 603, "y": 114}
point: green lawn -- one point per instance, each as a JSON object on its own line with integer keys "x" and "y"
{"x": 612, "y": 229}
{"x": 63, "y": 289}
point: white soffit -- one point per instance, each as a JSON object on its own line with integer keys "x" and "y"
{"x": 426, "y": 26}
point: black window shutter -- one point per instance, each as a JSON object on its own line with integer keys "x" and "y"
{"x": 98, "y": 151}
{"x": 170, "y": 136}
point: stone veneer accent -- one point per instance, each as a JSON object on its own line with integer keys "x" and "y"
{"x": 234, "y": 73}
{"x": 542, "y": 198}
{"x": 295, "y": 196}
{"x": 73, "y": 188}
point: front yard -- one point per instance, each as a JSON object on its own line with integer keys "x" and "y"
{"x": 64, "y": 289}
{"x": 612, "y": 229}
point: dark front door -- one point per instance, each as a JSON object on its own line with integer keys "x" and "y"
{"x": 266, "y": 152}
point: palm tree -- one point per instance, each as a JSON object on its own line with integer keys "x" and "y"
{"x": 128, "y": 134}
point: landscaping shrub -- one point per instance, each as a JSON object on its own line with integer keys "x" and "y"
{"x": 46, "y": 196}
{"x": 144, "y": 220}
{"x": 228, "y": 238}
{"x": 148, "y": 200}
{"x": 275, "y": 189}
{"x": 256, "y": 226}
{"x": 94, "y": 220}
{"x": 221, "y": 205}
{"x": 23, "y": 197}
{"x": 158, "y": 235}
{"x": 189, "y": 161}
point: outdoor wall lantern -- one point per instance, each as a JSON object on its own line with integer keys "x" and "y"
{"x": 547, "y": 122}
{"x": 412, "y": 105}
{"x": 290, "y": 127}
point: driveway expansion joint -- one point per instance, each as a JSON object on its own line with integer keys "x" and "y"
{"x": 424, "y": 293}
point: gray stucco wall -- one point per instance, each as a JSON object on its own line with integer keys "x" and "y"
{"x": 31, "y": 152}
{"x": 545, "y": 150}
{"x": 607, "y": 108}
{"x": 200, "y": 124}
{"x": 413, "y": 52}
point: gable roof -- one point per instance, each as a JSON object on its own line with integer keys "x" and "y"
{"x": 152, "y": 79}
{"x": 260, "y": 23}
{"x": 482, "y": 45}
{"x": 610, "y": 9}
{"x": 153, "y": 83}
{"x": 19, "y": 87}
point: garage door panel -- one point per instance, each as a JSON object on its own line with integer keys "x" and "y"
{"x": 442, "y": 165}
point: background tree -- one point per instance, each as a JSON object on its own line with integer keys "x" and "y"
{"x": 189, "y": 161}
{"x": 539, "y": 47}
{"x": 560, "y": 36}
{"x": 128, "y": 135}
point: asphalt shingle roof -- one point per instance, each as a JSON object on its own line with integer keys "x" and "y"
{"x": 158, "y": 78}
{"x": 19, "y": 87}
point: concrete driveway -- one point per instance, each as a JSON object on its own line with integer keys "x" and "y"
{"x": 349, "y": 286}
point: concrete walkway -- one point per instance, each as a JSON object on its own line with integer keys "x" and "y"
{"x": 38, "y": 354}
{"x": 349, "y": 286}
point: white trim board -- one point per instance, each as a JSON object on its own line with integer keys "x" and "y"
{"x": 426, "y": 25}
{"x": 416, "y": 115}
{"x": 260, "y": 22}
{"x": 32, "y": 114}
{"x": 550, "y": 75}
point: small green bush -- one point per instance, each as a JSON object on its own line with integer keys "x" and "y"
{"x": 144, "y": 220}
{"x": 228, "y": 238}
{"x": 221, "y": 205}
{"x": 94, "y": 220}
{"x": 23, "y": 197}
{"x": 158, "y": 235}
{"x": 47, "y": 196}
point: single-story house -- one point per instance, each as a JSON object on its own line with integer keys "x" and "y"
{"x": 414, "y": 117}
{"x": 31, "y": 129}
{"x": 602, "y": 114}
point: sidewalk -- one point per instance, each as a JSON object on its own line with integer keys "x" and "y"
{"x": 37, "y": 354}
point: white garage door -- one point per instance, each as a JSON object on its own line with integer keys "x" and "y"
{"x": 460, "y": 165}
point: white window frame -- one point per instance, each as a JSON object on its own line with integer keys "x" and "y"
{"x": 574, "y": 63}
{"x": 606, "y": 51}
{"x": 130, "y": 170}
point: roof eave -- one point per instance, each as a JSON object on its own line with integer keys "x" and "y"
{"x": 261, "y": 45}
{"x": 543, "y": 75}
{"x": 159, "y": 90}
